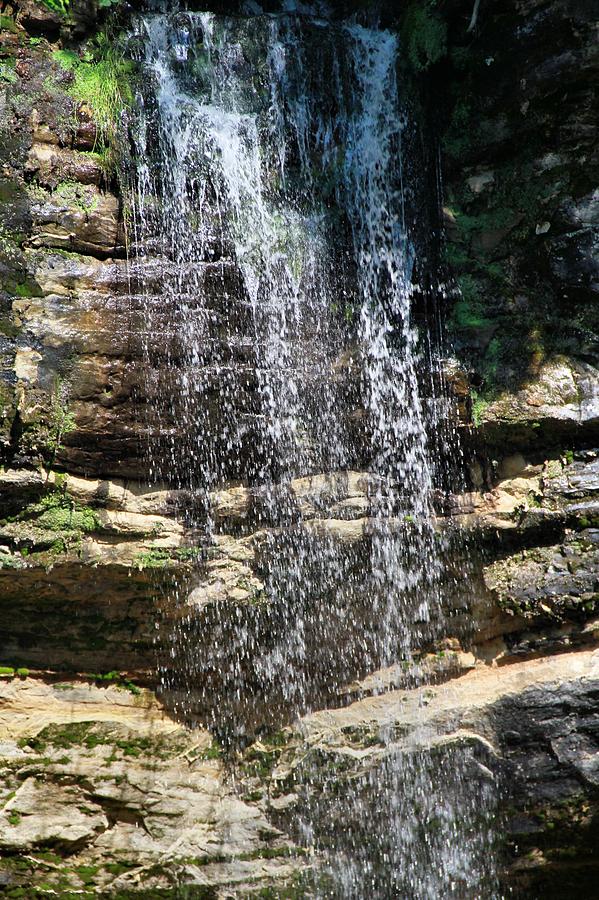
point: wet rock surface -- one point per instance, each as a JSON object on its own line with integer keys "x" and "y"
{"x": 145, "y": 802}
{"x": 103, "y": 793}
{"x": 99, "y": 785}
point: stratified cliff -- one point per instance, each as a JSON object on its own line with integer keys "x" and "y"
{"x": 110, "y": 782}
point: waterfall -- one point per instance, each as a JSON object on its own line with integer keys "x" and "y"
{"x": 282, "y": 356}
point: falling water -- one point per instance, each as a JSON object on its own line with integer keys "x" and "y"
{"x": 282, "y": 355}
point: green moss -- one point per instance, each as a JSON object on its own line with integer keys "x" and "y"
{"x": 62, "y": 421}
{"x": 424, "y": 34}
{"x": 479, "y": 406}
{"x": 492, "y": 219}
{"x": 7, "y": 798}
{"x": 67, "y": 59}
{"x": 117, "y": 680}
{"x": 8, "y": 327}
{"x": 58, "y": 512}
{"x": 460, "y": 135}
{"x": 87, "y": 873}
{"x": 259, "y": 762}
{"x": 7, "y": 670}
{"x": 77, "y": 194}
{"x": 7, "y": 72}
{"x": 135, "y": 747}
{"x": 8, "y": 24}
{"x": 161, "y": 557}
{"x": 212, "y": 752}
{"x": 156, "y": 558}
{"x": 119, "y": 868}
{"x": 276, "y": 739}
{"x": 191, "y": 554}
{"x": 63, "y": 736}
{"x": 299, "y": 886}
{"x": 49, "y": 856}
{"x": 68, "y": 517}
{"x": 14, "y": 817}
{"x": 491, "y": 361}
{"x": 467, "y": 315}
{"x": 468, "y": 312}
{"x": 457, "y": 256}
{"x": 11, "y": 562}
{"x": 89, "y": 735}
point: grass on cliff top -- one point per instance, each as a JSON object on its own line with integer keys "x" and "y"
{"x": 101, "y": 81}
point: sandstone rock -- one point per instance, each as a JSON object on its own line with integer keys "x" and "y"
{"x": 76, "y": 218}
{"x": 125, "y": 792}
{"x": 50, "y": 815}
{"x": 52, "y": 164}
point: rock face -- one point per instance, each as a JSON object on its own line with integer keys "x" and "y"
{"x": 125, "y": 798}
{"x": 106, "y": 788}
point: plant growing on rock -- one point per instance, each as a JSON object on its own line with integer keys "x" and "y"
{"x": 425, "y": 35}
{"x": 60, "y": 7}
{"x": 101, "y": 81}
{"x": 62, "y": 422}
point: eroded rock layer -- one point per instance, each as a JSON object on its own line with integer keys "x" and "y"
{"x": 103, "y": 787}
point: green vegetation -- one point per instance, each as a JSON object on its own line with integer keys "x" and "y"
{"x": 212, "y": 752}
{"x": 469, "y": 311}
{"x": 457, "y": 138}
{"x": 160, "y": 557}
{"x": 51, "y": 526}
{"x": 187, "y": 554}
{"x": 115, "y": 678}
{"x": 78, "y": 194}
{"x": 61, "y": 421}
{"x": 8, "y": 24}
{"x": 60, "y": 7}
{"x": 425, "y": 34}
{"x": 87, "y": 873}
{"x": 8, "y": 327}
{"x": 101, "y": 80}
{"x": 82, "y": 734}
{"x": 7, "y": 670}
{"x": 27, "y": 288}
{"x": 262, "y": 757}
{"x": 467, "y": 315}
{"x": 7, "y": 72}
{"x": 479, "y": 404}
{"x": 156, "y": 558}
{"x": 59, "y": 512}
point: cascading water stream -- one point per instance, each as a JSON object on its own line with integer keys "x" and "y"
{"x": 269, "y": 213}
